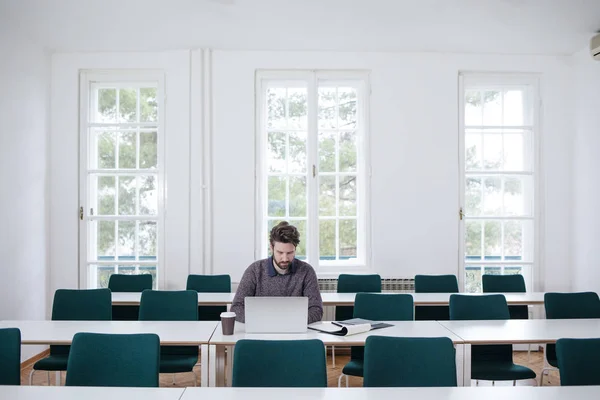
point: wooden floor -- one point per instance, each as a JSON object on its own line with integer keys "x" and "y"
{"x": 183, "y": 380}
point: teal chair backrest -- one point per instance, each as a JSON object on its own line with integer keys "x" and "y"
{"x": 114, "y": 360}
{"x": 165, "y": 305}
{"x": 436, "y": 284}
{"x": 348, "y": 283}
{"x": 507, "y": 284}
{"x": 577, "y": 361}
{"x": 381, "y": 307}
{"x": 130, "y": 283}
{"x": 409, "y": 362}
{"x": 279, "y": 363}
{"x": 483, "y": 307}
{"x": 10, "y": 356}
{"x": 210, "y": 284}
{"x": 569, "y": 306}
{"x": 572, "y": 305}
{"x": 80, "y": 305}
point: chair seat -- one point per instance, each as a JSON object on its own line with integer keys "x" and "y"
{"x": 354, "y": 368}
{"x": 52, "y": 363}
{"x": 173, "y": 363}
{"x": 500, "y": 371}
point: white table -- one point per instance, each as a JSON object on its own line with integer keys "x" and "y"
{"x": 219, "y": 342}
{"x": 171, "y": 333}
{"x": 518, "y": 331}
{"x": 460, "y": 393}
{"x": 88, "y": 393}
{"x": 342, "y": 299}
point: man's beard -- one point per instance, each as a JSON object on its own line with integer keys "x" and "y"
{"x": 282, "y": 267}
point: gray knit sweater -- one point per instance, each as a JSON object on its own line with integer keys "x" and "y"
{"x": 261, "y": 279}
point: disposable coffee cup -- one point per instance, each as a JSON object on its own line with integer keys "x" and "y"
{"x": 227, "y": 322}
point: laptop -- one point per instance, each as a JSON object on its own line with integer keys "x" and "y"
{"x": 276, "y": 314}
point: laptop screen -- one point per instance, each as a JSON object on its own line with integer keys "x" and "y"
{"x": 276, "y": 314}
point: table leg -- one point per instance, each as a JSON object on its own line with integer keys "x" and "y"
{"x": 219, "y": 366}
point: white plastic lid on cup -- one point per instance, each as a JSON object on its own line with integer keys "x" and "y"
{"x": 228, "y": 314}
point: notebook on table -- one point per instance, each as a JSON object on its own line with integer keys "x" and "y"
{"x": 276, "y": 314}
{"x": 348, "y": 327}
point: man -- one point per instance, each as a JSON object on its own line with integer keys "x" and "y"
{"x": 280, "y": 275}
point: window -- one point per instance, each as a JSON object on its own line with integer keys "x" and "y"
{"x": 312, "y": 163}
{"x": 121, "y": 175}
{"x": 498, "y": 159}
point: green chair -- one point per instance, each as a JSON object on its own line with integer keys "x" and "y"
{"x": 279, "y": 363}
{"x": 128, "y": 283}
{"x": 376, "y": 307}
{"x": 348, "y": 283}
{"x": 114, "y": 360}
{"x": 567, "y": 306}
{"x": 74, "y": 305}
{"x": 163, "y": 305}
{"x": 409, "y": 362}
{"x": 434, "y": 284}
{"x": 210, "y": 284}
{"x": 10, "y": 356}
{"x": 488, "y": 362}
{"x": 578, "y": 361}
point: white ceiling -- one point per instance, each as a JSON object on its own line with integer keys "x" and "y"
{"x": 474, "y": 26}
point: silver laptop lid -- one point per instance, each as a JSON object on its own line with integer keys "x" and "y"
{"x": 276, "y": 314}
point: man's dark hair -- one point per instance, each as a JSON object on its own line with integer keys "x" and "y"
{"x": 283, "y": 232}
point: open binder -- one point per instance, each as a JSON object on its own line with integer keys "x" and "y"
{"x": 348, "y": 327}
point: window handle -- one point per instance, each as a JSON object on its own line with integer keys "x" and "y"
{"x": 461, "y": 214}
{"x": 314, "y": 170}
{"x": 81, "y": 213}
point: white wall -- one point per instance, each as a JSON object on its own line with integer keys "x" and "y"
{"x": 586, "y": 175}
{"x": 414, "y": 153}
{"x": 24, "y": 108}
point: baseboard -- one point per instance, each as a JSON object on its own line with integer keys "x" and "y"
{"x": 35, "y": 358}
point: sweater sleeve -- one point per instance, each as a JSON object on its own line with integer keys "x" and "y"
{"x": 247, "y": 287}
{"x": 311, "y": 290}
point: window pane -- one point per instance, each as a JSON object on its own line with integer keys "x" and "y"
{"x": 327, "y": 196}
{"x": 473, "y": 240}
{"x": 127, "y": 195}
{"x": 106, "y": 195}
{"x": 297, "y": 159}
{"x": 148, "y": 195}
{"x": 126, "y": 250}
{"x": 147, "y": 239}
{"x": 127, "y": 150}
{"x": 492, "y": 108}
{"x": 148, "y": 105}
{"x": 492, "y": 240}
{"x": 106, "y": 240}
{"x": 513, "y": 107}
{"x": 513, "y": 196}
{"x": 276, "y": 152}
{"x": 492, "y": 152}
{"x": 327, "y": 239}
{"x": 106, "y": 150}
{"x": 327, "y": 108}
{"x": 473, "y": 108}
{"x": 473, "y": 152}
{"x": 149, "y": 269}
{"x": 297, "y": 196}
{"x": 347, "y": 192}
{"x": 107, "y": 105}
{"x": 327, "y": 152}
{"x": 492, "y": 203}
{"x": 348, "y": 236}
{"x": 297, "y": 108}
{"x": 148, "y": 150}
{"x": 127, "y": 105}
{"x": 473, "y": 197}
{"x": 276, "y": 108}
{"x": 513, "y": 240}
{"x": 514, "y": 155}
{"x": 347, "y": 152}
{"x": 473, "y": 279}
{"x": 347, "y": 107}
{"x": 103, "y": 274}
{"x": 276, "y": 196}
{"x": 512, "y": 270}
{"x": 492, "y": 270}
{"x": 301, "y": 249}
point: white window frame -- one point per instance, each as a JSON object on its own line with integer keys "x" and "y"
{"x": 118, "y": 78}
{"x": 360, "y": 80}
{"x": 489, "y": 80}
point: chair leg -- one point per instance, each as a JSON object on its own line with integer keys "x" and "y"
{"x": 31, "y": 377}
{"x": 196, "y": 378}
{"x": 333, "y": 356}
{"x": 493, "y": 383}
{"x": 514, "y": 383}
{"x": 340, "y": 380}
{"x": 173, "y": 379}
{"x": 528, "y": 353}
{"x": 57, "y": 377}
